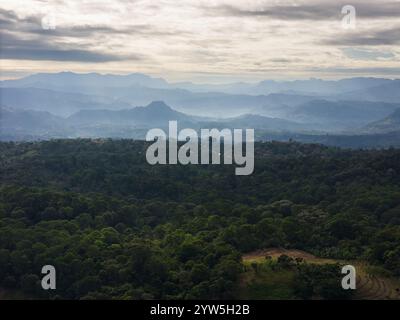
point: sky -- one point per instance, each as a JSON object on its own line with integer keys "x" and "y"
{"x": 202, "y": 40}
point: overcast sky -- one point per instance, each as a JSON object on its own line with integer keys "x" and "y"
{"x": 202, "y": 41}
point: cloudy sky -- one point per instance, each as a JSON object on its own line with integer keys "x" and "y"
{"x": 201, "y": 40}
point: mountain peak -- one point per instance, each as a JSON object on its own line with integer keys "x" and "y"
{"x": 159, "y": 105}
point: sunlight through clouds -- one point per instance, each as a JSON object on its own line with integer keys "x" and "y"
{"x": 198, "y": 39}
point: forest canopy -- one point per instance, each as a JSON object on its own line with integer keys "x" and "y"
{"x": 116, "y": 227}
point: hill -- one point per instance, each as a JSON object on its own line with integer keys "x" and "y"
{"x": 342, "y": 114}
{"x": 30, "y": 123}
{"x": 389, "y": 124}
{"x": 156, "y": 113}
{"x": 56, "y": 102}
{"x": 388, "y": 92}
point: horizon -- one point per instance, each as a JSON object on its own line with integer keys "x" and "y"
{"x": 193, "y": 81}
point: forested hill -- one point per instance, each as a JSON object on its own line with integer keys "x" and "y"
{"x": 302, "y": 173}
{"x": 116, "y": 227}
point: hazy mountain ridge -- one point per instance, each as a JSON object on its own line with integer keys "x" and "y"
{"x": 157, "y": 112}
{"x": 341, "y": 115}
{"x": 122, "y": 122}
{"x": 38, "y": 125}
{"x": 65, "y": 80}
{"x": 389, "y": 92}
{"x": 268, "y": 97}
{"x": 56, "y": 102}
{"x": 254, "y": 121}
{"x": 104, "y": 105}
{"x": 389, "y": 124}
{"x": 20, "y": 123}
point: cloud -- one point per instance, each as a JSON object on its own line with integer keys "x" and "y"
{"x": 312, "y": 10}
{"x": 13, "y": 47}
{"x": 32, "y": 24}
{"x": 25, "y": 39}
{"x": 367, "y": 54}
{"x": 303, "y": 12}
{"x": 240, "y": 38}
{"x": 367, "y": 38}
{"x": 9, "y": 20}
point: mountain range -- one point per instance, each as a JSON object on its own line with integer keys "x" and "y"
{"x": 126, "y": 122}
{"x": 79, "y": 82}
{"x": 69, "y": 104}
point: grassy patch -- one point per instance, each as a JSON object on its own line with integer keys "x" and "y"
{"x": 266, "y": 282}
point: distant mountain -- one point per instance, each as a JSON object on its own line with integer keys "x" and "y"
{"x": 91, "y": 82}
{"x": 156, "y": 113}
{"x": 208, "y": 104}
{"x": 127, "y": 123}
{"x": 389, "y": 124}
{"x": 69, "y": 104}
{"x": 56, "y": 102}
{"x": 73, "y": 81}
{"x": 253, "y": 121}
{"x": 319, "y": 86}
{"x": 300, "y": 87}
{"x": 388, "y": 92}
{"x": 281, "y": 105}
{"x": 342, "y": 114}
{"x": 114, "y": 98}
{"x": 30, "y": 122}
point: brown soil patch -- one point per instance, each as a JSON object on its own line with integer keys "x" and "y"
{"x": 293, "y": 253}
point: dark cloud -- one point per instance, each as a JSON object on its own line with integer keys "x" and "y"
{"x": 26, "y": 39}
{"x": 318, "y": 10}
{"x": 371, "y": 38}
{"x": 14, "y": 47}
{"x": 10, "y": 21}
{"x": 281, "y": 12}
{"x": 85, "y": 31}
